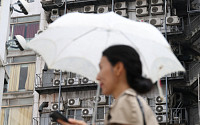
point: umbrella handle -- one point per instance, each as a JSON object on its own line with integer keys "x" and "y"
{"x": 96, "y": 102}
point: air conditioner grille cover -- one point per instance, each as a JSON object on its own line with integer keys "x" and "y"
{"x": 139, "y": 11}
{"x": 153, "y": 21}
{"x": 71, "y": 81}
{"x": 139, "y": 2}
{"x": 158, "y": 99}
{"x": 98, "y": 100}
{"x": 85, "y": 112}
{"x": 87, "y": 8}
{"x": 118, "y": 5}
{"x": 154, "y": 1}
{"x": 57, "y": 82}
{"x": 159, "y": 118}
{"x": 71, "y": 101}
{"x": 85, "y": 80}
{"x": 170, "y": 20}
{"x": 55, "y": 106}
{"x": 119, "y": 12}
{"x": 101, "y": 10}
{"x": 54, "y": 12}
{"x": 154, "y": 9}
{"x": 159, "y": 108}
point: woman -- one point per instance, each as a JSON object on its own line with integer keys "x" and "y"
{"x": 121, "y": 76}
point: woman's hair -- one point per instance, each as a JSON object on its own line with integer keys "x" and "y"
{"x": 132, "y": 64}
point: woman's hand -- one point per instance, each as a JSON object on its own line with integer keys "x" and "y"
{"x": 71, "y": 122}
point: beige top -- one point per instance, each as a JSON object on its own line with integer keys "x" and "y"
{"x": 126, "y": 110}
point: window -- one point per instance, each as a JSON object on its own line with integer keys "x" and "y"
{"x": 25, "y": 26}
{"x": 17, "y": 101}
{"x": 21, "y": 77}
{"x": 27, "y": 30}
{"x": 75, "y": 113}
{"x": 16, "y": 116}
{"x": 21, "y": 59}
{"x": 101, "y": 112}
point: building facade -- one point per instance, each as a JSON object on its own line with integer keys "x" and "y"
{"x": 32, "y": 90}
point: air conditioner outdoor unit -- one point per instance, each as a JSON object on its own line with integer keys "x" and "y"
{"x": 87, "y": 112}
{"x": 102, "y": 9}
{"x": 141, "y": 3}
{"x": 89, "y": 9}
{"x": 54, "y": 107}
{"x": 54, "y": 14}
{"x": 56, "y": 71}
{"x": 157, "y": 10}
{"x": 56, "y": 82}
{"x": 101, "y": 99}
{"x": 75, "y": 102}
{"x": 160, "y": 108}
{"x": 156, "y": 2}
{"x": 75, "y": 10}
{"x": 155, "y": 21}
{"x": 72, "y": 81}
{"x": 121, "y": 13}
{"x": 141, "y": 11}
{"x": 161, "y": 118}
{"x": 173, "y": 20}
{"x": 85, "y": 80}
{"x": 158, "y": 100}
{"x": 120, "y": 5}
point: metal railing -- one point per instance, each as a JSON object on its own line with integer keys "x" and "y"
{"x": 193, "y": 72}
{"x": 178, "y": 115}
{"x": 47, "y": 80}
{"x": 47, "y": 120}
{"x": 193, "y": 26}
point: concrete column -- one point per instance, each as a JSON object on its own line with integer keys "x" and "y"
{"x": 4, "y": 32}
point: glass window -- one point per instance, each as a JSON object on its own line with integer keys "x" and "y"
{"x": 13, "y": 116}
{"x": 78, "y": 114}
{"x": 23, "y": 76}
{"x": 5, "y": 87}
{"x": 71, "y": 113}
{"x": 24, "y": 59}
{"x": 25, "y": 19}
{"x": 22, "y": 101}
{"x": 27, "y": 30}
{"x": 100, "y": 112}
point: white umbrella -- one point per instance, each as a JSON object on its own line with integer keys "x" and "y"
{"x": 75, "y": 43}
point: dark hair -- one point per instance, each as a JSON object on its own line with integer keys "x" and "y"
{"x": 132, "y": 64}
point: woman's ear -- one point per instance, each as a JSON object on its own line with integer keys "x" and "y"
{"x": 118, "y": 68}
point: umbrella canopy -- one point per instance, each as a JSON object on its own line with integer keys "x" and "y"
{"x": 75, "y": 43}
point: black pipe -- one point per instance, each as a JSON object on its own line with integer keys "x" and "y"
{"x": 44, "y": 104}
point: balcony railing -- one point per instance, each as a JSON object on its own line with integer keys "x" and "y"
{"x": 47, "y": 120}
{"x": 178, "y": 116}
{"x": 49, "y": 83}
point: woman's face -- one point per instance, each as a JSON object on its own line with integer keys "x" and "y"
{"x": 106, "y": 76}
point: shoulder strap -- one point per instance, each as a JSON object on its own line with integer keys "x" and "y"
{"x": 142, "y": 110}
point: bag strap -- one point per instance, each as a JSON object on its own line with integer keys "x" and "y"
{"x": 142, "y": 110}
